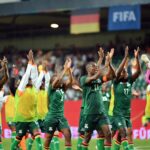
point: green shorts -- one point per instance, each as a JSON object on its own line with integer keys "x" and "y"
{"x": 122, "y": 122}
{"x": 23, "y": 127}
{"x": 81, "y": 123}
{"x": 112, "y": 123}
{"x": 11, "y": 124}
{"x": 95, "y": 121}
{"x": 52, "y": 123}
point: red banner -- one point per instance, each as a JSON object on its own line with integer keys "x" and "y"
{"x": 72, "y": 112}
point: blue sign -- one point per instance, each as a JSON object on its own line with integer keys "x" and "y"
{"x": 124, "y": 17}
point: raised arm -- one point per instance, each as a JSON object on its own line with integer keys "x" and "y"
{"x": 60, "y": 75}
{"x": 101, "y": 56}
{"x": 47, "y": 80}
{"x": 25, "y": 78}
{"x": 44, "y": 74}
{"x": 92, "y": 78}
{"x": 39, "y": 80}
{"x": 111, "y": 71}
{"x": 34, "y": 71}
{"x": 138, "y": 69}
{"x": 70, "y": 80}
{"x": 5, "y": 70}
{"x": 121, "y": 66}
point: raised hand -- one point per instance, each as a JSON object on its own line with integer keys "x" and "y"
{"x": 101, "y": 52}
{"x": 136, "y": 52}
{"x": 111, "y": 53}
{"x": 67, "y": 64}
{"x": 5, "y": 60}
{"x": 126, "y": 51}
{"x": 30, "y": 55}
{"x": 44, "y": 65}
{"x": 107, "y": 59}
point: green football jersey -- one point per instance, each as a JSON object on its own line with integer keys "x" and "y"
{"x": 56, "y": 101}
{"x": 92, "y": 96}
{"x": 122, "y": 96}
{"x": 106, "y": 96}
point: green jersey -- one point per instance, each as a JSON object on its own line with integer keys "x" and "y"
{"x": 106, "y": 96}
{"x": 92, "y": 96}
{"x": 122, "y": 96}
{"x": 56, "y": 102}
{"x": 83, "y": 102}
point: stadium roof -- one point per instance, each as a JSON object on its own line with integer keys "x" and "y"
{"x": 33, "y": 24}
{"x": 41, "y": 6}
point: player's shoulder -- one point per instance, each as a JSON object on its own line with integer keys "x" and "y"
{"x": 82, "y": 78}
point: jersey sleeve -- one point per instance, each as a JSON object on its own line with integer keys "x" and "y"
{"x": 34, "y": 75}
{"x": 39, "y": 80}
{"x": 47, "y": 80}
{"x": 5, "y": 98}
{"x": 25, "y": 78}
{"x": 82, "y": 81}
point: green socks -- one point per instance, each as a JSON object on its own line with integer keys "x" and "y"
{"x": 116, "y": 145}
{"x": 14, "y": 145}
{"x": 131, "y": 146}
{"x": 107, "y": 147}
{"x": 67, "y": 147}
{"x": 52, "y": 144}
{"x": 79, "y": 142}
{"x": 13, "y": 135}
{"x": 29, "y": 143}
{"x": 38, "y": 141}
{"x": 100, "y": 143}
{"x": 1, "y": 146}
{"x": 125, "y": 144}
{"x": 56, "y": 142}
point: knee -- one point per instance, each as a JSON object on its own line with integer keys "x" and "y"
{"x": 48, "y": 137}
{"x": 123, "y": 133}
{"x": 108, "y": 134}
{"x": 130, "y": 133}
{"x": 67, "y": 134}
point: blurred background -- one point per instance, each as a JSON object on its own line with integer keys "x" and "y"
{"x": 55, "y": 29}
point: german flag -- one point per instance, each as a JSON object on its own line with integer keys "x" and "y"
{"x": 85, "y": 21}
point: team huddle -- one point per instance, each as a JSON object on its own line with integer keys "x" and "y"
{"x": 35, "y": 104}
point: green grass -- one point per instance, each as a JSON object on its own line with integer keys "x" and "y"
{"x": 139, "y": 144}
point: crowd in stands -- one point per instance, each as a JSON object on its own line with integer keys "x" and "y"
{"x": 79, "y": 56}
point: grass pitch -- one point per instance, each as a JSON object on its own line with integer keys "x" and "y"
{"x": 139, "y": 144}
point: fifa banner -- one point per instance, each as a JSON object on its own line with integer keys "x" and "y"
{"x": 72, "y": 113}
{"x": 124, "y": 17}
